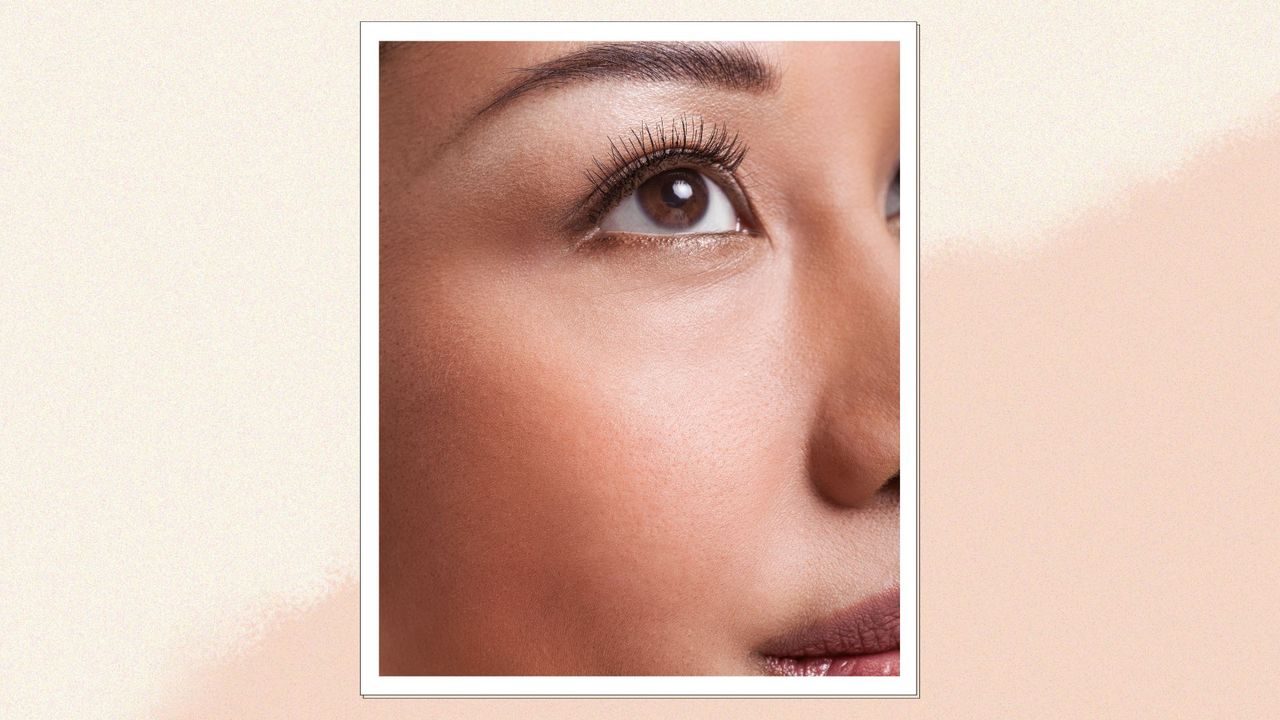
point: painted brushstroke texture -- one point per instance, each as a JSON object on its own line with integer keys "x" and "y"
{"x": 1098, "y": 451}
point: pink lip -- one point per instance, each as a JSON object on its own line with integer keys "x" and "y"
{"x": 859, "y": 640}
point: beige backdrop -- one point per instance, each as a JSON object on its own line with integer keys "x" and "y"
{"x": 1100, "y": 340}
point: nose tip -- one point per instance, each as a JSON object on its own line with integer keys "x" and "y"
{"x": 849, "y": 463}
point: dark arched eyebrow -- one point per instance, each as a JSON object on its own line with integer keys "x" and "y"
{"x": 730, "y": 66}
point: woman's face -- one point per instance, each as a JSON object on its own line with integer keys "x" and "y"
{"x": 639, "y": 356}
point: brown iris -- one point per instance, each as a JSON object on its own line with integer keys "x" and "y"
{"x": 675, "y": 199}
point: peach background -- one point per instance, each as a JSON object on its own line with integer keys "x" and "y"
{"x": 1100, "y": 370}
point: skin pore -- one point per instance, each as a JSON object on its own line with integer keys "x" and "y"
{"x": 615, "y": 445}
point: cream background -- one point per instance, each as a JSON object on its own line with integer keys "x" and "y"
{"x": 178, "y": 387}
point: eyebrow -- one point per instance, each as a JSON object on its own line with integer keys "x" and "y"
{"x": 728, "y": 66}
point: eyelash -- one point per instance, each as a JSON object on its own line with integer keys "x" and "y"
{"x": 634, "y": 157}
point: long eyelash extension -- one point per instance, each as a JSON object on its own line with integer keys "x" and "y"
{"x": 641, "y": 148}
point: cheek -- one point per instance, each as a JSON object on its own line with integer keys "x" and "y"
{"x": 617, "y": 464}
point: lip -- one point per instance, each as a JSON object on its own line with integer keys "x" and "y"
{"x": 859, "y": 640}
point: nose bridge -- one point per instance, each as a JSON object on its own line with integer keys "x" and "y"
{"x": 854, "y": 440}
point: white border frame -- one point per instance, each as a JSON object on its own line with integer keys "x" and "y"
{"x": 373, "y": 684}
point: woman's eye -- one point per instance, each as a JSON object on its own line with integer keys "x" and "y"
{"x": 891, "y": 199}
{"x": 675, "y": 202}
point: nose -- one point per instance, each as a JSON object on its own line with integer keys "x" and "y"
{"x": 853, "y": 450}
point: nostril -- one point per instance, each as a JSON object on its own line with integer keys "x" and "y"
{"x": 892, "y": 483}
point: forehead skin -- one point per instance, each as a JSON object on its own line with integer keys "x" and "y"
{"x": 429, "y": 90}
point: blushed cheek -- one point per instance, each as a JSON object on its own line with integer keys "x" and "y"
{"x": 621, "y": 484}
{"x": 645, "y": 510}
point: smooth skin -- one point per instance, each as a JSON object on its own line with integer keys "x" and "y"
{"x": 639, "y": 457}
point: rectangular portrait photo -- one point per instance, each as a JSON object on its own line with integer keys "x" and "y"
{"x": 639, "y": 359}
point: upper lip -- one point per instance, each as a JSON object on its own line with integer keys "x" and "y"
{"x": 870, "y": 626}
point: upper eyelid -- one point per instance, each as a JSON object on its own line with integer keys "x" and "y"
{"x": 641, "y": 142}
{"x": 633, "y": 154}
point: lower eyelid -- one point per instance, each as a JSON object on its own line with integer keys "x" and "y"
{"x": 682, "y": 263}
{"x": 691, "y": 244}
